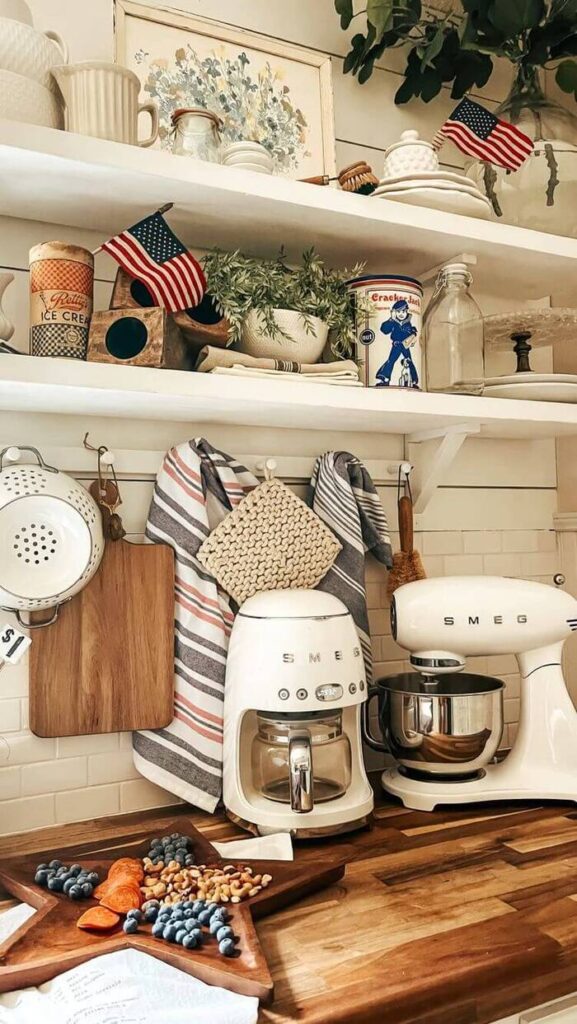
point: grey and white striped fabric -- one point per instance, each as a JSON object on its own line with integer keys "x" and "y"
{"x": 197, "y": 486}
{"x": 345, "y": 498}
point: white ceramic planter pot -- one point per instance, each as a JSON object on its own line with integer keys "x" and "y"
{"x": 30, "y": 53}
{"x": 303, "y": 346}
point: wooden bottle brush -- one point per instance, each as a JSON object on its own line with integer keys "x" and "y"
{"x": 357, "y": 177}
{"x": 407, "y": 564}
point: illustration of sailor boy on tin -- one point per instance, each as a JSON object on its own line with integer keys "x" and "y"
{"x": 403, "y": 335}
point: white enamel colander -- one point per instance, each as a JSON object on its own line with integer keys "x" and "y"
{"x": 51, "y": 539}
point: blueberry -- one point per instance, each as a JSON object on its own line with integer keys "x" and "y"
{"x": 221, "y": 914}
{"x": 158, "y": 929}
{"x": 62, "y": 870}
{"x": 227, "y": 947}
{"x": 180, "y": 857}
{"x": 204, "y": 917}
{"x": 76, "y": 869}
{"x": 150, "y": 915}
{"x": 224, "y": 933}
{"x": 180, "y": 935}
{"x": 212, "y": 907}
{"x": 156, "y": 841}
{"x": 215, "y": 925}
{"x": 41, "y": 877}
{"x": 198, "y": 905}
{"x": 93, "y": 877}
{"x": 169, "y": 932}
{"x": 165, "y": 840}
{"x": 68, "y": 885}
{"x": 55, "y": 884}
{"x": 75, "y": 892}
{"x": 188, "y": 913}
{"x": 164, "y": 915}
{"x": 130, "y": 926}
{"x": 55, "y": 864}
{"x": 42, "y": 867}
{"x": 188, "y": 860}
{"x": 175, "y": 835}
{"x": 191, "y": 924}
{"x": 87, "y": 890}
{"x": 190, "y": 941}
{"x": 135, "y": 913}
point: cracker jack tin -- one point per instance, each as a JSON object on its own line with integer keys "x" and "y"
{"x": 388, "y": 311}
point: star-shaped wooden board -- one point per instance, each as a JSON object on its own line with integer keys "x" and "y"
{"x": 50, "y": 943}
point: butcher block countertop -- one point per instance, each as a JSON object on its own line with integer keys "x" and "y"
{"x": 462, "y": 916}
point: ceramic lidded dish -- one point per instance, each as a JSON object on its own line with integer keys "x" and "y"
{"x": 411, "y": 154}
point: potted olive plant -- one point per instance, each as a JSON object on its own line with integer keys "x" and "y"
{"x": 278, "y": 312}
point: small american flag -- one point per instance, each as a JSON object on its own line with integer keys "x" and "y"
{"x": 151, "y": 252}
{"x": 477, "y": 132}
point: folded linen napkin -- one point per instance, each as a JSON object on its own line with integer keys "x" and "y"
{"x": 210, "y": 357}
{"x": 344, "y": 379}
{"x": 275, "y": 847}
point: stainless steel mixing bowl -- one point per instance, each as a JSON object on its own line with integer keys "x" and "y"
{"x": 450, "y": 725}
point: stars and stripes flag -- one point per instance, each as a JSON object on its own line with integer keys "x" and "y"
{"x": 151, "y": 252}
{"x": 477, "y": 132}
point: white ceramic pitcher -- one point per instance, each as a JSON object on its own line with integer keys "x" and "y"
{"x": 102, "y": 100}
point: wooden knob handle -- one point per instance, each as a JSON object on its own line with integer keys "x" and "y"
{"x": 406, "y": 524}
{"x": 318, "y": 179}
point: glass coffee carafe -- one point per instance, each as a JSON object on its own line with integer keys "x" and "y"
{"x": 301, "y": 759}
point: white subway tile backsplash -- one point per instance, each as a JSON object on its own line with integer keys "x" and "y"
{"x": 115, "y": 766}
{"x": 85, "y": 804}
{"x": 373, "y": 594}
{"x": 463, "y": 565}
{"x": 434, "y": 565}
{"x": 140, "y": 794}
{"x": 441, "y": 543}
{"x": 9, "y": 784}
{"x": 520, "y": 540}
{"x": 502, "y": 664}
{"x": 54, "y": 776}
{"x": 502, "y": 565}
{"x": 72, "y": 746}
{"x": 390, "y": 651}
{"x": 26, "y": 748}
{"x": 511, "y": 710}
{"x": 480, "y": 542}
{"x": 541, "y": 563}
{"x": 26, "y": 814}
{"x": 547, "y": 540}
{"x": 10, "y": 715}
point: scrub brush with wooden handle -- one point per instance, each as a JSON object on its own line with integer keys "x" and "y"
{"x": 407, "y": 564}
{"x": 357, "y": 177}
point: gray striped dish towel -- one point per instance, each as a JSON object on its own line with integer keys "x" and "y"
{"x": 345, "y": 498}
{"x": 197, "y": 486}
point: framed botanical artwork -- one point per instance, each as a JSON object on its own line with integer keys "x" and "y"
{"x": 264, "y": 90}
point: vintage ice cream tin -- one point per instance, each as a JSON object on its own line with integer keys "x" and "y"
{"x": 61, "y": 287}
{"x": 388, "y": 311}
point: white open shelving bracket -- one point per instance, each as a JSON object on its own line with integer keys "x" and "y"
{"x": 451, "y": 440}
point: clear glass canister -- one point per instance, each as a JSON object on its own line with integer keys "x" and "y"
{"x": 329, "y": 747}
{"x": 453, "y": 330}
{"x": 196, "y": 133}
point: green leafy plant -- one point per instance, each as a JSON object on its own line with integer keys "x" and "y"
{"x": 460, "y": 47}
{"x": 240, "y": 284}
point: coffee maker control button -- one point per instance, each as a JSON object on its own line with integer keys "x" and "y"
{"x": 284, "y": 694}
{"x": 302, "y": 694}
{"x": 330, "y": 691}
{"x": 361, "y": 685}
{"x": 352, "y": 687}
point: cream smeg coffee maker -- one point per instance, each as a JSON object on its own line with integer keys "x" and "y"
{"x": 295, "y": 687}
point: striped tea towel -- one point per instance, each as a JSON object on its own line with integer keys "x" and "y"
{"x": 345, "y": 498}
{"x": 197, "y": 486}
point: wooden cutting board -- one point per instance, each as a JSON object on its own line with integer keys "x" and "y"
{"x": 107, "y": 663}
{"x": 50, "y": 943}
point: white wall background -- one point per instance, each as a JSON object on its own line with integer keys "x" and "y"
{"x": 492, "y": 515}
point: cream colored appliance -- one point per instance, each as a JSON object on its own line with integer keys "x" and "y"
{"x": 445, "y": 733}
{"x": 295, "y": 687}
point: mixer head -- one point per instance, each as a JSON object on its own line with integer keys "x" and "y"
{"x": 437, "y": 663}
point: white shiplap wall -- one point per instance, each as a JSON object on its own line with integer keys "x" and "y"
{"x": 493, "y": 514}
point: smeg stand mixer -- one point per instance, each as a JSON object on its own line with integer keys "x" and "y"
{"x": 443, "y": 729}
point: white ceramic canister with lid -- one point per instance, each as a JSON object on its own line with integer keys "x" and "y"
{"x": 388, "y": 312}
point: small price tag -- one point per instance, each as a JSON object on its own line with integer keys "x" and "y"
{"x": 13, "y": 644}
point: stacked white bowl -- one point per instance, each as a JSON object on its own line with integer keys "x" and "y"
{"x": 28, "y": 92}
{"x": 411, "y": 174}
{"x": 250, "y": 156}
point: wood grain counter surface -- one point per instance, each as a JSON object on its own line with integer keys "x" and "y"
{"x": 462, "y": 916}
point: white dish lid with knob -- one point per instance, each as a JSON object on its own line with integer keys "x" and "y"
{"x": 293, "y": 604}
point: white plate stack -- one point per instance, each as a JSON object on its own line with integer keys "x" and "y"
{"x": 28, "y": 91}
{"x": 412, "y": 175}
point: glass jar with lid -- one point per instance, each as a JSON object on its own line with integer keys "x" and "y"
{"x": 453, "y": 329}
{"x": 196, "y": 133}
{"x": 301, "y": 759}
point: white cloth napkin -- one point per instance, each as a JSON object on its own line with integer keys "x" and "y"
{"x": 127, "y": 987}
{"x": 11, "y": 920}
{"x": 276, "y": 847}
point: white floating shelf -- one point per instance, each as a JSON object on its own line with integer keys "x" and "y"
{"x": 75, "y": 180}
{"x": 66, "y": 386}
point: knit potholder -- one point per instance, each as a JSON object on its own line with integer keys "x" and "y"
{"x": 271, "y": 541}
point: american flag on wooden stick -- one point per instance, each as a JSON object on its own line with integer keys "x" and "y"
{"x": 477, "y": 132}
{"x": 151, "y": 252}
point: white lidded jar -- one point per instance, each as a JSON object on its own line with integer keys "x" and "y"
{"x": 453, "y": 330}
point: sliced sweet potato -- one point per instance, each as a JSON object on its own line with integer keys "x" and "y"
{"x": 98, "y": 919}
{"x": 127, "y": 866}
{"x": 102, "y": 889}
{"x": 122, "y": 898}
